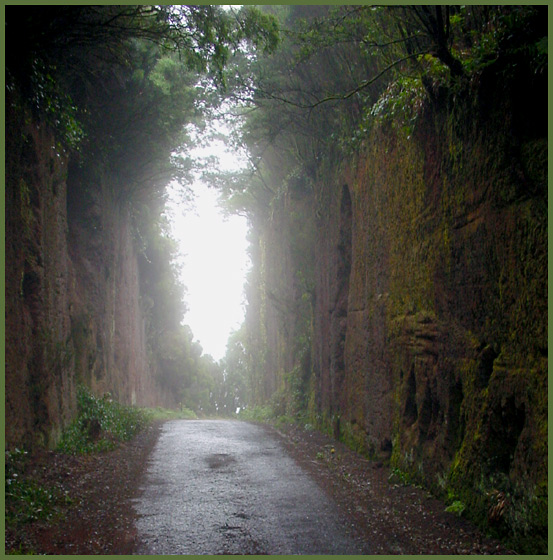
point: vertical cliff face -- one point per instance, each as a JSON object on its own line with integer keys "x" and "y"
{"x": 279, "y": 313}
{"x": 39, "y": 353}
{"x": 73, "y": 312}
{"x": 455, "y": 304}
{"x": 429, "y": 323}
{"x": 445, "y": 343}
{"x": 107, "y": 319}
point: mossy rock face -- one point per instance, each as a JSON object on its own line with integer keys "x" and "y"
{"x": 428, "y": 318}
{"x": 463, "y": 289}
{"x": 504, "y": 453}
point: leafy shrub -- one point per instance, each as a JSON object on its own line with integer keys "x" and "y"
{"x": 101, "y": 423}
{"x": 401, "y": 477}
{"x": 400, "y": 104}
{"x": 56, "y": 106}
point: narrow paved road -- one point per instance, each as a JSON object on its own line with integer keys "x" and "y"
{"x": 227, "y": 487}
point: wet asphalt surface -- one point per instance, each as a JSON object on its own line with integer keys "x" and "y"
{"x": 228, "y": 487}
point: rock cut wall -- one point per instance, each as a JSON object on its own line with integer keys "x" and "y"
{"x": 73, "y": 312}
{"x": 428, "y": 311}
{"x": 40, "y": 387}
{"x": 444, "y": 334}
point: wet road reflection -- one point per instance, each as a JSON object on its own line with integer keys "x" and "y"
{"x": 228, "y": 487}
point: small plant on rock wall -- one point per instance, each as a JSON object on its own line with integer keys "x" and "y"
{"x": 456, "y": 507}
{"x": 400, "y": 105}
{"x": 400, "y": 478}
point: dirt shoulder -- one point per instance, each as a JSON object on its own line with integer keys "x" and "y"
{"x": 395, "y": 519}
{"x": 100, "y": 519}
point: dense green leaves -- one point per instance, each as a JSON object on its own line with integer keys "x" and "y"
{"x": 101, "y": 423}
{"x": 127, "y": 78}
{"x": 338, "y": 69}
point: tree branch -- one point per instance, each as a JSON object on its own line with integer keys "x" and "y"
{"x": 344, "y": 96}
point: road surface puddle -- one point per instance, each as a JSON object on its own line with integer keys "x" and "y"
{"x": 218, "y": 460}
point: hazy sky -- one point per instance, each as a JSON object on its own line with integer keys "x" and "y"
{"x": 214, "y": 266}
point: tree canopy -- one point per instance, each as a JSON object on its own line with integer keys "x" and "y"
{"x": 121, "y": 82}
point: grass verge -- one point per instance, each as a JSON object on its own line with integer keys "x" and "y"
{"x": 159, "y": 413}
